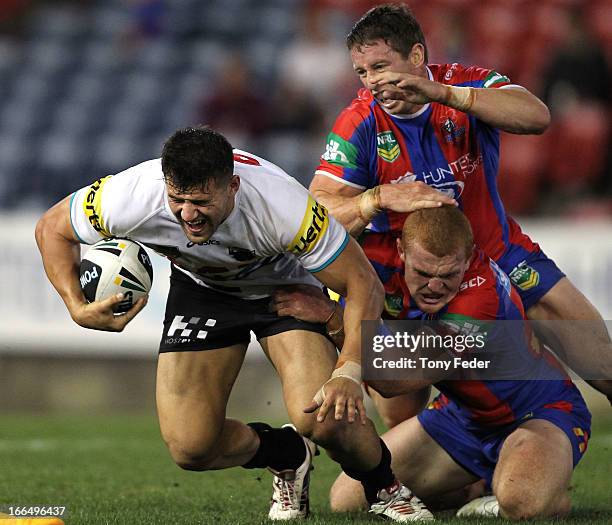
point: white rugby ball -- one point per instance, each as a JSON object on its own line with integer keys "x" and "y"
{"x": 116, "y": 265}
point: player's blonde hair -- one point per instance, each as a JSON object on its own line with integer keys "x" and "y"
{"x": 441, "y": 231}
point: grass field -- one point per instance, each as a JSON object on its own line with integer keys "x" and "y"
{"x": 115, "y": 470}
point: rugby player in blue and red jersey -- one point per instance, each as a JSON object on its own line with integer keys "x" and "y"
{"x": 421, "y": 135}
{"x": 522, "y": 436}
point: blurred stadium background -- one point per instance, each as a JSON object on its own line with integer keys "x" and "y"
{"x": 88, "y": 88}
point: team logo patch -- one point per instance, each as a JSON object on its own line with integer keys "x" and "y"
{"x": 314, "y": 225}
{"x": 340, "y": 152}
{"x": 452, "y": 132}
{"x": 393, "y": 304}
{"x": 524, "y": 277}
{"x": 387, "y": 147}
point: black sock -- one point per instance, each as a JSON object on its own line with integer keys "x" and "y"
{"x": 380, "y": 477}
{"x": 279, "y": 448}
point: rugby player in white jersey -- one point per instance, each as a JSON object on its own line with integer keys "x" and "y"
{"x": 236, "y": 228}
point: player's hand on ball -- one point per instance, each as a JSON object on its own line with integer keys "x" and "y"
{"x": 100, "y": 315}
{"x": 304, "y": 302}
{"x": 344, "y": 396}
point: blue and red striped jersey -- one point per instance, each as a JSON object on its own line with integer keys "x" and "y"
{"x": 445, "y": 148}
{"x": 486, "y": 296}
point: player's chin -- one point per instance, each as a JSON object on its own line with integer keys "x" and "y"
{"x": 199, "y": 236}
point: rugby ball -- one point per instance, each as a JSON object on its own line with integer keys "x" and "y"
{"x": 116, "y": 265}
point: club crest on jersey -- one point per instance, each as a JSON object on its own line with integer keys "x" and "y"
{"x": 387, "y": 147}
{"x": 452, "y": 132}
{"x": 524, "y": 277}
{"x": 393, "y": 304}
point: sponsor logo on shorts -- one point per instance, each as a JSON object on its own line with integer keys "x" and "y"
{"x": 92, "y": 206}
{"x": 182, "y": 331}
{"x": 387, "y": 147}
{"x": 340, "y": 152}
{"x": 314, "y": 225}
{"x": 524, "y": 276}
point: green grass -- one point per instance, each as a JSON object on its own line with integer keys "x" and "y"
{"x": 116, "y": 470}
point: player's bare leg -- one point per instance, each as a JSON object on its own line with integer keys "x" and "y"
{"x": 418, "y": 462}
{"x": 355, "y": 446}
{"x": 192, "y": 393}
{"x": 533, "y": 472}
{"x": 304, "y": 361}
{"x": 588, "y": 351}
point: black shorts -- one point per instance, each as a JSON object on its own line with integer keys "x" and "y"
{"x": 198, "y": 318}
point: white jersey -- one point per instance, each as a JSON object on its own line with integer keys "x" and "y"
{"x": 276, "y": 233}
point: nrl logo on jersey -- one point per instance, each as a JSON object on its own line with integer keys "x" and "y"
{"x": 524, "y": 277}
{"x": 387, "y": 147}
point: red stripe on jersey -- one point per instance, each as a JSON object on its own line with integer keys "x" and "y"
{"x": 245, "y": 159}
{"x": 484, "y": 406}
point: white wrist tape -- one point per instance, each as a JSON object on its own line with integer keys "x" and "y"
{"x": 459, "y": 97}
{"x": 349, "y": 370}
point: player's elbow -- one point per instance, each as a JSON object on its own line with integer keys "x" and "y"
{"x": 42, "y": 226}
{"x": 541, "y": 119}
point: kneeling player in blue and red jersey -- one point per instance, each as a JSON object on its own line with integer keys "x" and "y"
{"x": 421, "y": 135}
{"x": 522, "y": 436}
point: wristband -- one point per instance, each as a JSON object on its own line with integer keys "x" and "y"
{"x": 460, "y": 98}
{"x": 350, "y": 370}
{"x": 369, "y": 204}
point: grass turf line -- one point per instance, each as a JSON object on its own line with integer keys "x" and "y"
{"x": 116, "y": 470}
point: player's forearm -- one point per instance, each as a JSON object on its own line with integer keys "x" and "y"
{"x": 61, "y": 258}
{"x": 344, "y": 209}
{"x": 364, "y": 304}
{"x": 514, "y": 110}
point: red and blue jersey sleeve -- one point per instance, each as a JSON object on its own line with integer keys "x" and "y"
{"x": 348, "y": 157}
{"x": 472, "y": 76}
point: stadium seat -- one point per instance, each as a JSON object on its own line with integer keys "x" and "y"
{"x": 579, "y": 141}
{"x": 522, "y": 162}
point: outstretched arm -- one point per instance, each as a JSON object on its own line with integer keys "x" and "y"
{"x": 60, "y": 251}
{"x": 354, "y": 208}
{"x": 512, "y": 109}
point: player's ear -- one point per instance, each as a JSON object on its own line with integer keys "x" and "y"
{"x": 234, "y": 184}
{"x": 417, "y": 55}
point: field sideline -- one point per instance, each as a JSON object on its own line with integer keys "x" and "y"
{"x": 116, "y": 470}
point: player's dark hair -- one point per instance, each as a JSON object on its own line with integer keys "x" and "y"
{"x": 441, "y": 231}
{"x": 393, "y": 23}
{"x": 194, "y": 156}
